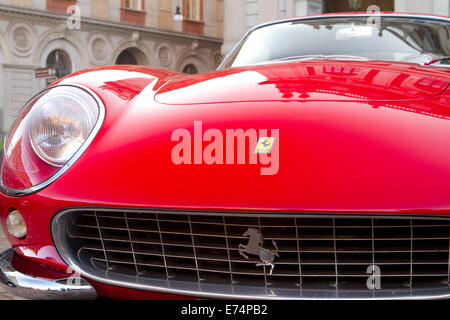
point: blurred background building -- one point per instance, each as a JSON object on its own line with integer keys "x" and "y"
{"x": 37, "y": 34}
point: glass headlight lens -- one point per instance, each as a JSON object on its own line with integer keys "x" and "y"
{"x": 61, "y": 123}
{"x": 51, "y": 131}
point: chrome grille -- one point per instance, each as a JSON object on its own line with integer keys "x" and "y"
{"x": 197, "y": 253}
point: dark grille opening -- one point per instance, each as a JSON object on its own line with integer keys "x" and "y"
{"x": 147, "y": 272}
{"x": 199, "y": 253}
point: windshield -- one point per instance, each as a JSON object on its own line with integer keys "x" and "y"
{"x": 396, "y": 39}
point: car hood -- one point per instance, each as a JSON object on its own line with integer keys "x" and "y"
{"x": 339, "y": 156}
{"x": 317, "y": 80}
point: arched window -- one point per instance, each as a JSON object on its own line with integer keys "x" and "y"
{"x": 126, "y": 57}
{"x": 190, "y": 69}
{"x": 133, "y": 56}
{"x": 60, "y": 60}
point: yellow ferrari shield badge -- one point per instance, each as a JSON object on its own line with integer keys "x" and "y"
{"x": 265, "y": 145}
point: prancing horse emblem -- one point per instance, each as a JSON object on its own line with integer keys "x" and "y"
{"x": 255, "y": 247}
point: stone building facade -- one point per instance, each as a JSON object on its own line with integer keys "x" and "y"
{"x": 242, "y": 15}
{"x": 71, "y": 35}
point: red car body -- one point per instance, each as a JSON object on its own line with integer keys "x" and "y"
{"x": 355, "y": 137}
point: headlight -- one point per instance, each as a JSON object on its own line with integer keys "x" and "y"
{"x": 61, "y": 123}
{"x": 51, "y": 132}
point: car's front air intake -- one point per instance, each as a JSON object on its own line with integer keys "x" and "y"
{"x": 262, "y": 255}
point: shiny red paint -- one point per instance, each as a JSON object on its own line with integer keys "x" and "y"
{"x": 312, "y": 81}
{"x": 363, "y": 137}
{"x": 39, "y": 270}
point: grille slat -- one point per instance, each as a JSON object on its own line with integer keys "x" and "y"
{"x": 324, "y": 262}
{"x": 317, "y": 238}
{"x": 163, "y": 251}
{"x": 431, "y": 225}
{"x": 302, "y": 249}
{"x": 213, "y": 251}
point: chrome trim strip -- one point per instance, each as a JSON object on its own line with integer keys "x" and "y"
{"x": 265, "y": 214}
{"x": 77, "y": 155}
{"x": 59, "y": 228}
{"x": 28, "y": 287}
{"x": 331, "y": 16}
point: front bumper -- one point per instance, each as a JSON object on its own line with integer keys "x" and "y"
{"x": 29, "y": 287}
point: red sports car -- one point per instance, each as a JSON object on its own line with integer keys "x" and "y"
{"x": 313, "y": 164}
